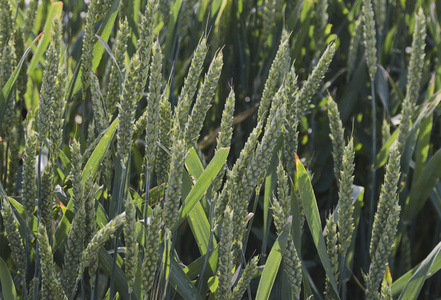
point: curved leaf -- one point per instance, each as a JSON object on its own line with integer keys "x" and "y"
{"x": 272, "y": 265}
{"x": 313, "y": 218}
{"x": 202, "y": 184}
{"x": 428, "y": 267}
{"x": 97, "y": 156}
{"x": 54, "y": 11}
{"x": 7, "y": 284}
{"x": 414, "y": 285}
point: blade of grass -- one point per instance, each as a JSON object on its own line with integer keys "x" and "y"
{"x": 197, "y": 218}
{"x": 422, "y": 150}
{"x": 313, "y": 219}
{"x": 120, "y": 278}
{"x": 272, "y": 265}
{"x": 270, "y": 182}
{"x": 201, "y": 185}
{"x": 400, "y": 284}
{"x": 55, "y": 11}
{"x": 7, "y": 284}
{"x": 423, "y": 186}
{"x": 97, "y": 156}
{"x": 194, "y": 269}
{"x": 414, "y": 285}
{"x": 181, "y": 283}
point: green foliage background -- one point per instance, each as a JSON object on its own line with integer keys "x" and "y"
{"x": 248, "y": 34}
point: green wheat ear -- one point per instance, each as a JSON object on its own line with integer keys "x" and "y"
{"x": 95, "y": 12}
{"x": 337, "y": 137}
{"x": 245, "y": 279}
{"x": 346, "y": 208}
{"x": 274, "y": 80}
{"x": 98, "y": 240}
{"x": 151, "y": 249}
{"x": 290, "y": 134}
{"x": 153, "y": 104}
{"x": 89, "y": 191}
{"x": 47, "y": 92}
{"x": 99, "y": 113}
{"x": 112, "y": 77}
{"x": 258, "y": 165}
{"x": 369, "y": 37}
{"x": 281, "y": 210}
{"x": 293, "y": 267}
{"x": 50, "y": 286}
{"x": 206, "y": 93}
{"x": 134, "y": 84}
{"x": 236, "y": 173}
{"x": 353, "y": 46}
{"x": 413, "y": 79}
{"x": 380, "y": 13}
{"x": 131, "y": 245}
{"x": 303, "y": 97}
{"x": 30, "y": 12}
{"x": 162, "y": 160}
{"x": 14, "y": 238}
{"x": 5, "y": 23}
{"x": 190, "y": 83}
{"x": 77, "y": 231}
{"x": 268, "y": 18}
{"x": 173, "y": 189}
{"x": 385, "y": 225}
{"x": 226, "y": 256}
{"x": 321, "y": 21}
{"x": 29, "y": 186}
{"x": 225, "y": 134}
{"x": 332, "y": 246}
{"x": 416, "y": 57}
